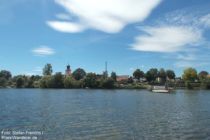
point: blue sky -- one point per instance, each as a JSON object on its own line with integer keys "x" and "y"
{"x": 128, "y": 34}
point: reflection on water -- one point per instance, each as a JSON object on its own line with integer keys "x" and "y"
{"x": 107, "y": 114}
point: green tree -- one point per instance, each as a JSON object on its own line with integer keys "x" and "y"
{"x": 3, "y": 82}
{"x": 28, "y": 82}
{"x": 190, "y": 75}
{"x": 202, "y": 75}
{"x": 58, "y": 80}
{"x": 79, "y": 74}
{"x": 205, "y": 83}
{"x": 114, "y": 76}
{"x": 47, "y": 70}
{"x": 45, "y": 81}
{"x": 91, "y": 80}
{"x": 69, "y": 82}
{"x": 130, "y": 80}
{"x": 108, "y": 83}
{"x": 5, "y": 74}
{"x": 51, "y": 82}
{"x": 138, "y": 74}
{"x": 170, "y": 74}
{"x": 162, "y": 75}
{"x": 152, "y": 74}
{"x": 20, "y": 82}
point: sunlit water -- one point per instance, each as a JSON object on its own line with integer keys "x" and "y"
{"x": 107, "y": 114}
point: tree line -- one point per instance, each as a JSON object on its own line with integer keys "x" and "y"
{"x": 80, "y": 79}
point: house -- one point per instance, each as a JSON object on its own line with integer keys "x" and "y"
{"x": 141, "y": 79}
{"x": 177, "y": 79}
{"x": 122, "y": 78}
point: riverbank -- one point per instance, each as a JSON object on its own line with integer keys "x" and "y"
{"x": 128, "y": 86}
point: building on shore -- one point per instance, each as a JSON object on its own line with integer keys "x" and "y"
{"x": 68, "y": 70}
{"x": 122, "y": 78}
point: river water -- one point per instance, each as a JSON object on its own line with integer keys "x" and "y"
{"x": 106, "y": 114}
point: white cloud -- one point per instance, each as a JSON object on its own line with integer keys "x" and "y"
{"x": 43, "y": 50}
{"x": 186, "y": 57}
{"x": 167, "y": 38}
{"x": 188, "y": 18}
{"x": 67, "y": 27}
{"x": 186, "y": 64}
{"x": 63, "y": 16}
{"x": 178, "y": 31}
{"x": 104, "y": 15}
{"x": 205, "y": 20}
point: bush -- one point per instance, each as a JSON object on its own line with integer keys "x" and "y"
{"x": 91, "y": 81}
{"x": 205, "y": 84}
{"x": 45, "y": 80}
{"x": 19, "y": 82}
{"x": 107, "y": 83}
{"x": 70, "y": 82}
{"x": 3, "y": 82}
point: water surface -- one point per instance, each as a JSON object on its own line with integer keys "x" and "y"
{"x": 107, "y": 114}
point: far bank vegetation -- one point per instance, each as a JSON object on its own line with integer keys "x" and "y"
{"x": 79, "y": 78}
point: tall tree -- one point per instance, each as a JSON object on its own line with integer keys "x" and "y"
{"x": 19, "y": 82}
{"x": 114, "y": 76}
{"x": 170, "y": 74}
{"x": 5, "y": 74}
{"x": 47, "y": 70}
{"x": 58, "y": 80}
{"x": 3, "y": 82}
{"x": 190, "y": 75}
{"x": 152, "y": 74}
{"x": 91, "y": 80}
{"x": 79, "y": 74}
{"x": 162, "y": 75}
{"x": 203, "y": 75}
{"x": 138, "y": 74}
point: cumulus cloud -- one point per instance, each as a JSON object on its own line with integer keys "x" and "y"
{"x": 167, "y": 38}
{"x": 177, "y": 31}
{"x": 43, "y": 50}
{"x": 105, "y": 15}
